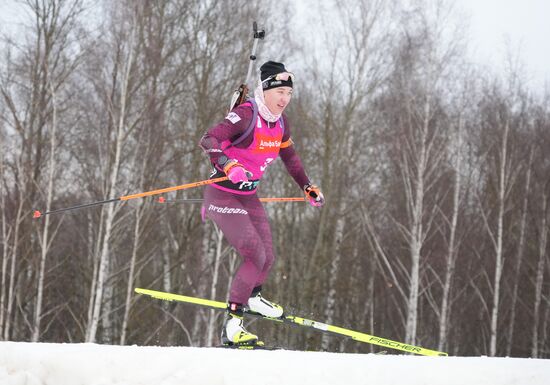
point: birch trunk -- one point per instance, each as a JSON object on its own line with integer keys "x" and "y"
{"x": 539, "y": 278}
{"x": 499, "y": 240}
{"x": 131, "y": 273}
{"x": 104, "y": 259}
{"x": 167, "y": 287}
{"x": 5, "y": 245}
{"x": 107, "y": 335}
{"x": 102, "y": 266}
{"x": 416, "y": 233}
{"x": 166, "y": 278}
{"x": 545, "y": 319}
{"x": 369, "y": 309}
{"x": 94, "y": 252}
{"x": 451, "y": 252}
{"x": 207, "y": 250}
{"x": 519, "y": 256}
{"x": 214, "y": 287}
{"x": 135, "y": 246}
{"x": 11, "y": 285}
{"x": 45, "y": 244}
{"x": 333, "y": 276}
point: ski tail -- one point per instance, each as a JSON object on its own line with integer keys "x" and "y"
{"x": 182, "y": 298}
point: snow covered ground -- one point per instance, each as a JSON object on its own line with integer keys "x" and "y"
{"x": 76, "y": 364}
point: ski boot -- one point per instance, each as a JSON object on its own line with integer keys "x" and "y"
{"x": 260, "y": 305}
{"x": 233, "y": 331}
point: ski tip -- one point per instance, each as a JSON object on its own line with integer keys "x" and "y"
{"x": 37, "y": 214}
{"x": 162, "y": 200}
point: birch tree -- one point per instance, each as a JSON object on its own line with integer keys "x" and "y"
{"x": 464, "y": 98}
{"x": 348, "y": 80}
{"x": 541, "y": 203}
{"x": 18, "y": 118}
{"x": 503, "y": 174}
{"x": 43, "y": 61}
{"x": 452, "y": 250}
{"x": 423, "y": 62}
{"x": 543, "y": 241}
{"x": 118, "y": 113}
{"x": 520, "y": 252}
{"x": 161, "y": 35}
{"x": 5, "y": 232}
{"x": 54, "y": 23}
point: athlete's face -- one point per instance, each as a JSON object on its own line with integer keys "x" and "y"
{"x": 276, "y": 99}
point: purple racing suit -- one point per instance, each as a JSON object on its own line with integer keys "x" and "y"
{"x": 235, "y": 207}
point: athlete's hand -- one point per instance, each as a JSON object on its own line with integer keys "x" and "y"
{"x": 314, "y": 195}
{"x": 236, "y": 172}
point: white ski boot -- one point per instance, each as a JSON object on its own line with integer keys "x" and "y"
{"x": 234, "y": 333}
{"x": 260, "y": 305}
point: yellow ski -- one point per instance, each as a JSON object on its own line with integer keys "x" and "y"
{"x": 290, "y": 319}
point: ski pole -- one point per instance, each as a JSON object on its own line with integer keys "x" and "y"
{"x": 200, "y": 200}
{"x": 38, "y": 214}
{"x": 275, "y": 199}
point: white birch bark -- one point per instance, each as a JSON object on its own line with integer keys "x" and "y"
{"x": 104, "y": 259}
{"x": 107, "y": 309}
{"x": 94, "y": 252}
{"x": 14, "y": 255}
{"x": 214, "y": 287}
{"x": 336, "y": 248}
{"x": 131, "y": 273}
{"x": 333, "y": 275}
{"x": 416, "y": 233}
{"x": 499, "y": 240}
{"x": 207, "y": 250}
{"x": 5, "y": 242}
{"x": 545, "y": 320}
{"x": 166, "y": 277}
{"x": 135, "y": 247}
{"x": 103, "y": 264}
{"x": 368, "y": 312}
{"x": 45, "y": 241}
{"x": 519, "y": 256}
{"x": 451, "y": 252}
{"x": 539, "y": 277}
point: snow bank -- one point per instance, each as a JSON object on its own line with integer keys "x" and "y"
{"x": 90, "y": 364}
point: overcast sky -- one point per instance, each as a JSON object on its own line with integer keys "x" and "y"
{"x": 524, "y": 23}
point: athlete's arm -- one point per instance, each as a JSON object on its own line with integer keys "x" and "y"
{"x": 291, "y": 159}
{"x": 234, "y": 125}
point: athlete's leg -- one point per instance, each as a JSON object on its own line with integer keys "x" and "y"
{"x": 261, "y": 223}
{"x": 232, "y": 214}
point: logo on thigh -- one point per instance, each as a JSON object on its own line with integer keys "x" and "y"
{"x": 227, "y": 210}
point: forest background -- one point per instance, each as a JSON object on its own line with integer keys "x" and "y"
{"x": 434, "y": 170}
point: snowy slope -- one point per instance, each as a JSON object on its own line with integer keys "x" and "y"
{"x": 75, "y": 364}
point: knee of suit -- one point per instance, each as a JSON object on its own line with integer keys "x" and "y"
{"x": 256, "y": 258}
{"x": 252, "y": 250}
{"x": 259, "y": 260}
